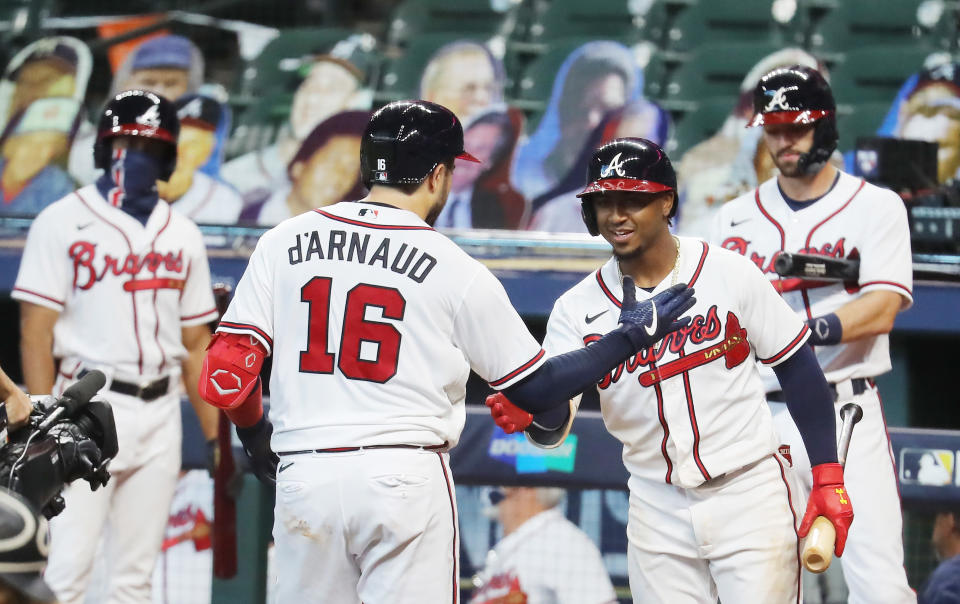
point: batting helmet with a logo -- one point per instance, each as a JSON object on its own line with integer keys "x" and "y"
{"x": 626, "y": 164}
{"x": 799, "y": 95}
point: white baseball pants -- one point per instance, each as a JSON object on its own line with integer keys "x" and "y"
{"x": 377, "y": 526}
{"x": 733, "y": 537}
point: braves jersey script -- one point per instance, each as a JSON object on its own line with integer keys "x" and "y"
{"x": 691, "y": 408}
{"x": 109, "y": 277}
{"x": 854, "y": 220}
{"x": 547, "y": 560}
{"x": 374, "y": 321}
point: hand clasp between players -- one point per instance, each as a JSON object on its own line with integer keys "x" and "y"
{"x": 646, "y": 323}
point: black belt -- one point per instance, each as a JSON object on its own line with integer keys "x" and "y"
{"x": 860, "y": 385}
{"x": 363, "y": 448}
{"x": 148, "y": 392}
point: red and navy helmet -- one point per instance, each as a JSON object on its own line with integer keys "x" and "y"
{"x": 627, "y": 164}
{"x": 138, "y": 113}
{"x": 405, "y": 140}
{"x": 799, "y": 95}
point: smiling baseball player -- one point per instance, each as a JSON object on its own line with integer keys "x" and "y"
{"x": 374, "y": 321}
{"x": 814, "y": 208}
{"x": 712, "y": 508}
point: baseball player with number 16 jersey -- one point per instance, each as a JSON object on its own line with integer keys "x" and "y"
{"x": 374, "y": 321}
{"x": 813, "y": 208}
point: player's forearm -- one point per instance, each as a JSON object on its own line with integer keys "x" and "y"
{"x": 565, "y": 376}
{"x": 869, "y": 315}
{"x": 810, "y": 403}
{"x": 36, "y": 350}
{"x": 196, "y": 341}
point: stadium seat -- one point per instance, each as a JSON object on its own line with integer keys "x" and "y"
{"x": 857, "y": 23}
{"x": 875, "y": 73}
{"x": 861, "y": 119}
{"x": 712, "y": 22}
{"x": 713, "y": 70}
{"x": 701, "y": 123}
{"x": 413, "y": 18}
{"x": 277, "y": 66}
{"x": 611, "y": 19}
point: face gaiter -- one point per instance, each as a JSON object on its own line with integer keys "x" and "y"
{"x": 131, "y": 182}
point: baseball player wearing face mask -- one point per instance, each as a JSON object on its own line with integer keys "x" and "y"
{"x": 113, "y": 280}
{"x": 712, "y": 508}
{"x": 374, "y": 321}
{"x": 811, "y": 207}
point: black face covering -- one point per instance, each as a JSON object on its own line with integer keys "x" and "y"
{"x": 131, "y": 182}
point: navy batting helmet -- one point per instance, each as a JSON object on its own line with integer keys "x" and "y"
{"x": 24, "y": 545}
{"x": 405, "y": 140}
{"x": 799, "y": 95}
{"x": 138, "y": 113}
{"x": 626, "y": 164}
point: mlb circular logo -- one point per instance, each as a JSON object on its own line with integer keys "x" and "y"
{"x": 867, "y": 162}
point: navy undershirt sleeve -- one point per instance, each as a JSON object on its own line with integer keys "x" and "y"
{"x": 810, "y": 402}
{"x": 564, "y": 376}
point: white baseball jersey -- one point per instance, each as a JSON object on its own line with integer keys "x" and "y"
{"x": 124, "y": 290}
{"x": 854, "y": 220}
{"x": 692, "y": 408}
{"x": 547, "y": 560}
{"x": 374, "y": 321}
{"x": 209, "y": 201}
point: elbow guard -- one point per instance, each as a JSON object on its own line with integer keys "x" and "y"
{"x": 231, "y": 368}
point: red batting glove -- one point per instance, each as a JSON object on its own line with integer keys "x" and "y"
{"x": 507, "y": 415}
{"x": 829, "y": 498}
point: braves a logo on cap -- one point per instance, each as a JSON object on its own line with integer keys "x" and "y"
{"x": 614, "y": 167}
{"x": 778, "y": 100}
{"x": 192, "y": 109}
{"x": 150, "y": 117}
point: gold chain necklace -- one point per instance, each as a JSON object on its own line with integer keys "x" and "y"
{"x": 676, "y": 266}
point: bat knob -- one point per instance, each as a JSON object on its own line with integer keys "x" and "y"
{"x": 853, "y": 411}
{"x": 783, "y": 263}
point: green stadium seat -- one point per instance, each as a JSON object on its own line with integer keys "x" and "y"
{"x": 875, "y": 73}
{"x": 713, "y": 70}
{"x": 413, "y": 18}
{"x": 713, "y": 22}
{"x": 861, "y": 119}
{"x": 700, "y": 123}
{"x": 277, "y": 67}
{"x": 610, "y": 19}
{"x": 857, "y": 23}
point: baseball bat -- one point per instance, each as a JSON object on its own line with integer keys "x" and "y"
{"x": 224, "y": 534}
{"x": 812, "y": 266}
{"x": 818, "y": 547}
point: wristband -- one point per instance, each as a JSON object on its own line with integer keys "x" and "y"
{"x": 825, "y": 330}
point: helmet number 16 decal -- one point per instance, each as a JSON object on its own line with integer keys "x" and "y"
{"x": 382, "y": 339}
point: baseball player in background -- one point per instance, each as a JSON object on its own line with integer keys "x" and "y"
{"x": 113, "y": 280}
{"x": 374, "y": 321}
{"x": 812, "y": 207}
{"x": 543, "y": 558}
{"x": 712, "y": 508}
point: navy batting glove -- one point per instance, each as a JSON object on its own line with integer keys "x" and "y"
{"x": 256, "y": 444}
{"x": 646, "y": 323}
